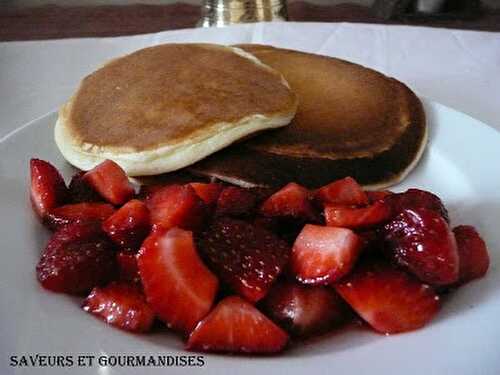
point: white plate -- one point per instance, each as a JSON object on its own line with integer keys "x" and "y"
{"x": 461, "y": 165}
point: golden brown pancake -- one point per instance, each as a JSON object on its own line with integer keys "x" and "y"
{"x": 165, "y": 107}
{"x": 351, "y": 120}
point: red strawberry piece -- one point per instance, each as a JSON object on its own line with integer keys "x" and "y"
{"x": 270, "y": 223}
{"x": 77, "y": 258}
{"x": 208, "y": 192}
{"x": 178, "y": 286}
{"x": 121, "y": 305}
{"x": 305, "y": 310}
{"x": 372, "y": 242}
{"x": 78, "y": 213}
{"x": 472, "y": 252}
{"x": 364, "y": 217}
{"x": 377, "y": 195}
{"x": 322, "y": 255}
{"x": 128, "y": 226}
{"x": 248, "y": 258}
{"x": 111, "y": 182}
{"x": 388, "y": 299}
{"x": 342, "y": 192}
{"x": 292, "y": 201}
{"x": 262, "y": 193}
{"x": 235, "y": 326}
{"x": 147, "y": 191}
{"x": 414, "y": 199}
{"x": 80, "y": 191}
{"x": 127, "y": 265}
{"x": 235, "y": 201}
{"x": 421, "y": 241}
{"x": 176, "y": 206}
{"x": 48, "y": 189}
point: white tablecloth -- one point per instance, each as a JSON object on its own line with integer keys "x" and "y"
{"x": 460, "y": 69}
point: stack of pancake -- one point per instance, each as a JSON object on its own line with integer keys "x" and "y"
{"x": 251, "y": 115}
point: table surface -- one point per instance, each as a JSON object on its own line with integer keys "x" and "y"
{"x": 51, "y": 21}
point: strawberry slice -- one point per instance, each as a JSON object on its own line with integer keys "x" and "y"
{"x": 235, "y": 201}
{"x": 234, "y": 325}
{"x": 377, "y": 195}
{"x": 421, "y": 241}
{"x": 178, "y": 286}
{"x": 128, "y": 226}
{"x": 293, "y": 201}
{"x": 248, "y": 258}
{"x": 147, "y": 191}
{"x": 472, "y": 252}
{"x": 80, "y": 191}
{"x": 208, "y": 192}
{"x": 111, "y": 181}
{"x": 121, "y": 305}
{"x": 389, "y": 299}
{"x": 48, "y": 189}
{"x": 322, "y": 255}
{"x": 78, "y": 213}
{"x": 305, "y": 310}
{"x": 364, "y": 217}
{"x": 415, "y": 199}
{"x": 127, "y": 265}
{"x": 262, "y": 193}
{"x": 342, "y": 192}
{"x": 77, "y": 258}
{"x": 176, "y": 206}
{"x": 372, "y": 243}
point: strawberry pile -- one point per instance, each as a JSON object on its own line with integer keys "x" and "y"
{"x": 243, "y": 270}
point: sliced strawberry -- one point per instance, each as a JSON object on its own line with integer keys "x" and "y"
{"x": 322, "y": 255}
{"x": 305, "y": 310}
{"x": 342, "y": 192}
{"x": 235, "y": 201}
{"x": 80, "y": 191}
{"x": 421, "y": 241}
{"x": 147, "y": 191}
{"x": 248, "y": 258}
{"x": 372, "y": 243}
{"x": 178, "y": 286}
{"x": 236, "y": 326}
{"x": 121, "y": 305}
{"x": 128, "y": 226}
{"x": 208, "y": 192}
{"x": 77, "y": 258}
{"x": 48, "y": 189}
{"x": 292, "y": 201}
{"x": 389, "y": 299}
{"x": 472, "y": 252}
{"x": 262, "y": 193}
{"x": 127, "y": 265}
{"x": 111, "y": 181}
{"x": 78, "y": 213}
{"x": 364, "y": 217}
{"x": 176, "y": 206}
{"x": 414, "y": 199}
{"x": 377, "y": 195}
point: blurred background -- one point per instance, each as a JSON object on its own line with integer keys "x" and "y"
{"x": 488, "y": 3}
{"x": 47, "y": 19}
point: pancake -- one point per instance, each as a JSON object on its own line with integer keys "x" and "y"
{"x": 165, "y": 107}
{"x": 351, "y": 121}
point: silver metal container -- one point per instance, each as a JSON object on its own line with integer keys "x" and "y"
{"x": 429, "y": 6}
{"x": 228, "y": 12}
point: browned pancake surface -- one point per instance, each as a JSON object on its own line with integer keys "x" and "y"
{"x": 351, "y": 121}
{"x": 168, "y": 93}
{"x": 345, "y": 111}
